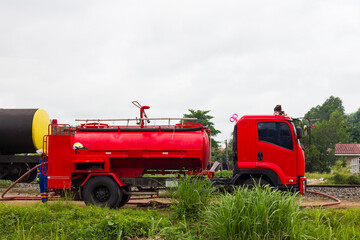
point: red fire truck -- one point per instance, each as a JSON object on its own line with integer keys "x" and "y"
{"x": 106, "y": 164}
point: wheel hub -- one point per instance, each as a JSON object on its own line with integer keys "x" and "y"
{"x": 102, "y": 194}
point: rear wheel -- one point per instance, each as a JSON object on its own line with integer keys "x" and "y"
{"x": 251, "y": 182}
{"x": 102, "y": 191}
{"x": 125, "y": 198}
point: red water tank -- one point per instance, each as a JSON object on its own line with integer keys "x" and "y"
{"x": 149, "y": 148}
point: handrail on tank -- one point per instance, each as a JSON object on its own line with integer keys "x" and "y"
{"x": 137, "y": 120}
{"x": 130, "y": 119}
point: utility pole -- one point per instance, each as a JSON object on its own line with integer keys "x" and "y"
{"x": 227, "y": 155}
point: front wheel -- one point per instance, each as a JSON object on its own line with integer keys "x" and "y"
{"x": 251, "y": 182}
{"x": 102, "y": 191}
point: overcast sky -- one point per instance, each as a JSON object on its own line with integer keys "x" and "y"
{"x": 91, "y": 59}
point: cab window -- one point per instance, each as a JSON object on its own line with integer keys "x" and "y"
{"x": 277, "y": 133}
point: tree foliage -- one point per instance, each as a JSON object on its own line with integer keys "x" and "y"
{"x": 217, "y": 153}
{"x": 325, "y": 135}
{"x": 331, "y": 128}
{"x": 204, "y": 118}
{"x": 324, "y": 111}
{"x": 353, "y": 122}
{"x": 220, "y": 155}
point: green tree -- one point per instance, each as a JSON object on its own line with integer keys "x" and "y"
{"x": 324, "y": 111}
{"x": 353, "y": 122}
{"x": 204, "y": 118}
{"x": 326, "y": 134}
{"x": 313, "y": 159}
{"x": 331, "y": 127}
{"x": 219, "y": 154}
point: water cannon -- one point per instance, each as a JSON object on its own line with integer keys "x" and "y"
{"x": 142, "y": 113}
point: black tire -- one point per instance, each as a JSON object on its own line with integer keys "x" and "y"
{"x": 4, "y": 170}
{"x": 32, "y": 176}
{"x": 125, "y": 199}
{"x": 16, "y": 171}
{"x": 250, "y": 182}
{"x": 102, "y": 191}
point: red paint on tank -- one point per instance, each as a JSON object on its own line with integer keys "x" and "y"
{"x": 147, "y": 148}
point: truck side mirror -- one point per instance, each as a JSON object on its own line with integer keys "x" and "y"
{"x": 299, "y": 132}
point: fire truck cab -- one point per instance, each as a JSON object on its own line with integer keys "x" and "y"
{"x": 267, "y": 149}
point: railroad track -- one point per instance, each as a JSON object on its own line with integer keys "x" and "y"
{"x": 334, "y": 186}
{"x": 338, "y": 191}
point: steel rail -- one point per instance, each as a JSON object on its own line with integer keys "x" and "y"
{"x": 335, "y": 186}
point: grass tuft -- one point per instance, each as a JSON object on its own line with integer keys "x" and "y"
{"x": 63, "y": 220}
{"x": 191, "y": 196}
{"x": 257, "y": 213}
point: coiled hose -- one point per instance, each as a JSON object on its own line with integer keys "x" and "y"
{"x": 337, "y": 201}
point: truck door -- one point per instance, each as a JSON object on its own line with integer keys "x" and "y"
{"x": 275, "y": 149}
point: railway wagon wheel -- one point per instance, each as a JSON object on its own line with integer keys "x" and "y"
{"x": 16, "y": 171}
{"x": 32, "y": 175}
{"x": 102, "y": 191}
{"x": 4, "y": 170}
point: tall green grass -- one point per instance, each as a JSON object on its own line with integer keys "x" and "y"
{"x": 258, "y": 213}
{"x": 316, "y": 175}
{"x": 266, "y": 213}
{"x": 191, "y": 196}
{"x": 62, "y": 220}
{"x": 339, "y": 178}
{"x": 331, "y": 223}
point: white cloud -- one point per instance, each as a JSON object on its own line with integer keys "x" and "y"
{"x": 91, "y": 59}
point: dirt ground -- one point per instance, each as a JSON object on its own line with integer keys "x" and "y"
{"x": 345, "y": 203}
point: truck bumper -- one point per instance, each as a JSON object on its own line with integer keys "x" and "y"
{"x": 302, "y": 183}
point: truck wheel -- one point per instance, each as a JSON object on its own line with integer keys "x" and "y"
{"x": 250, "y": 182}
{"x": 125, "y": 199}
{"x": 102, "y": 191}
